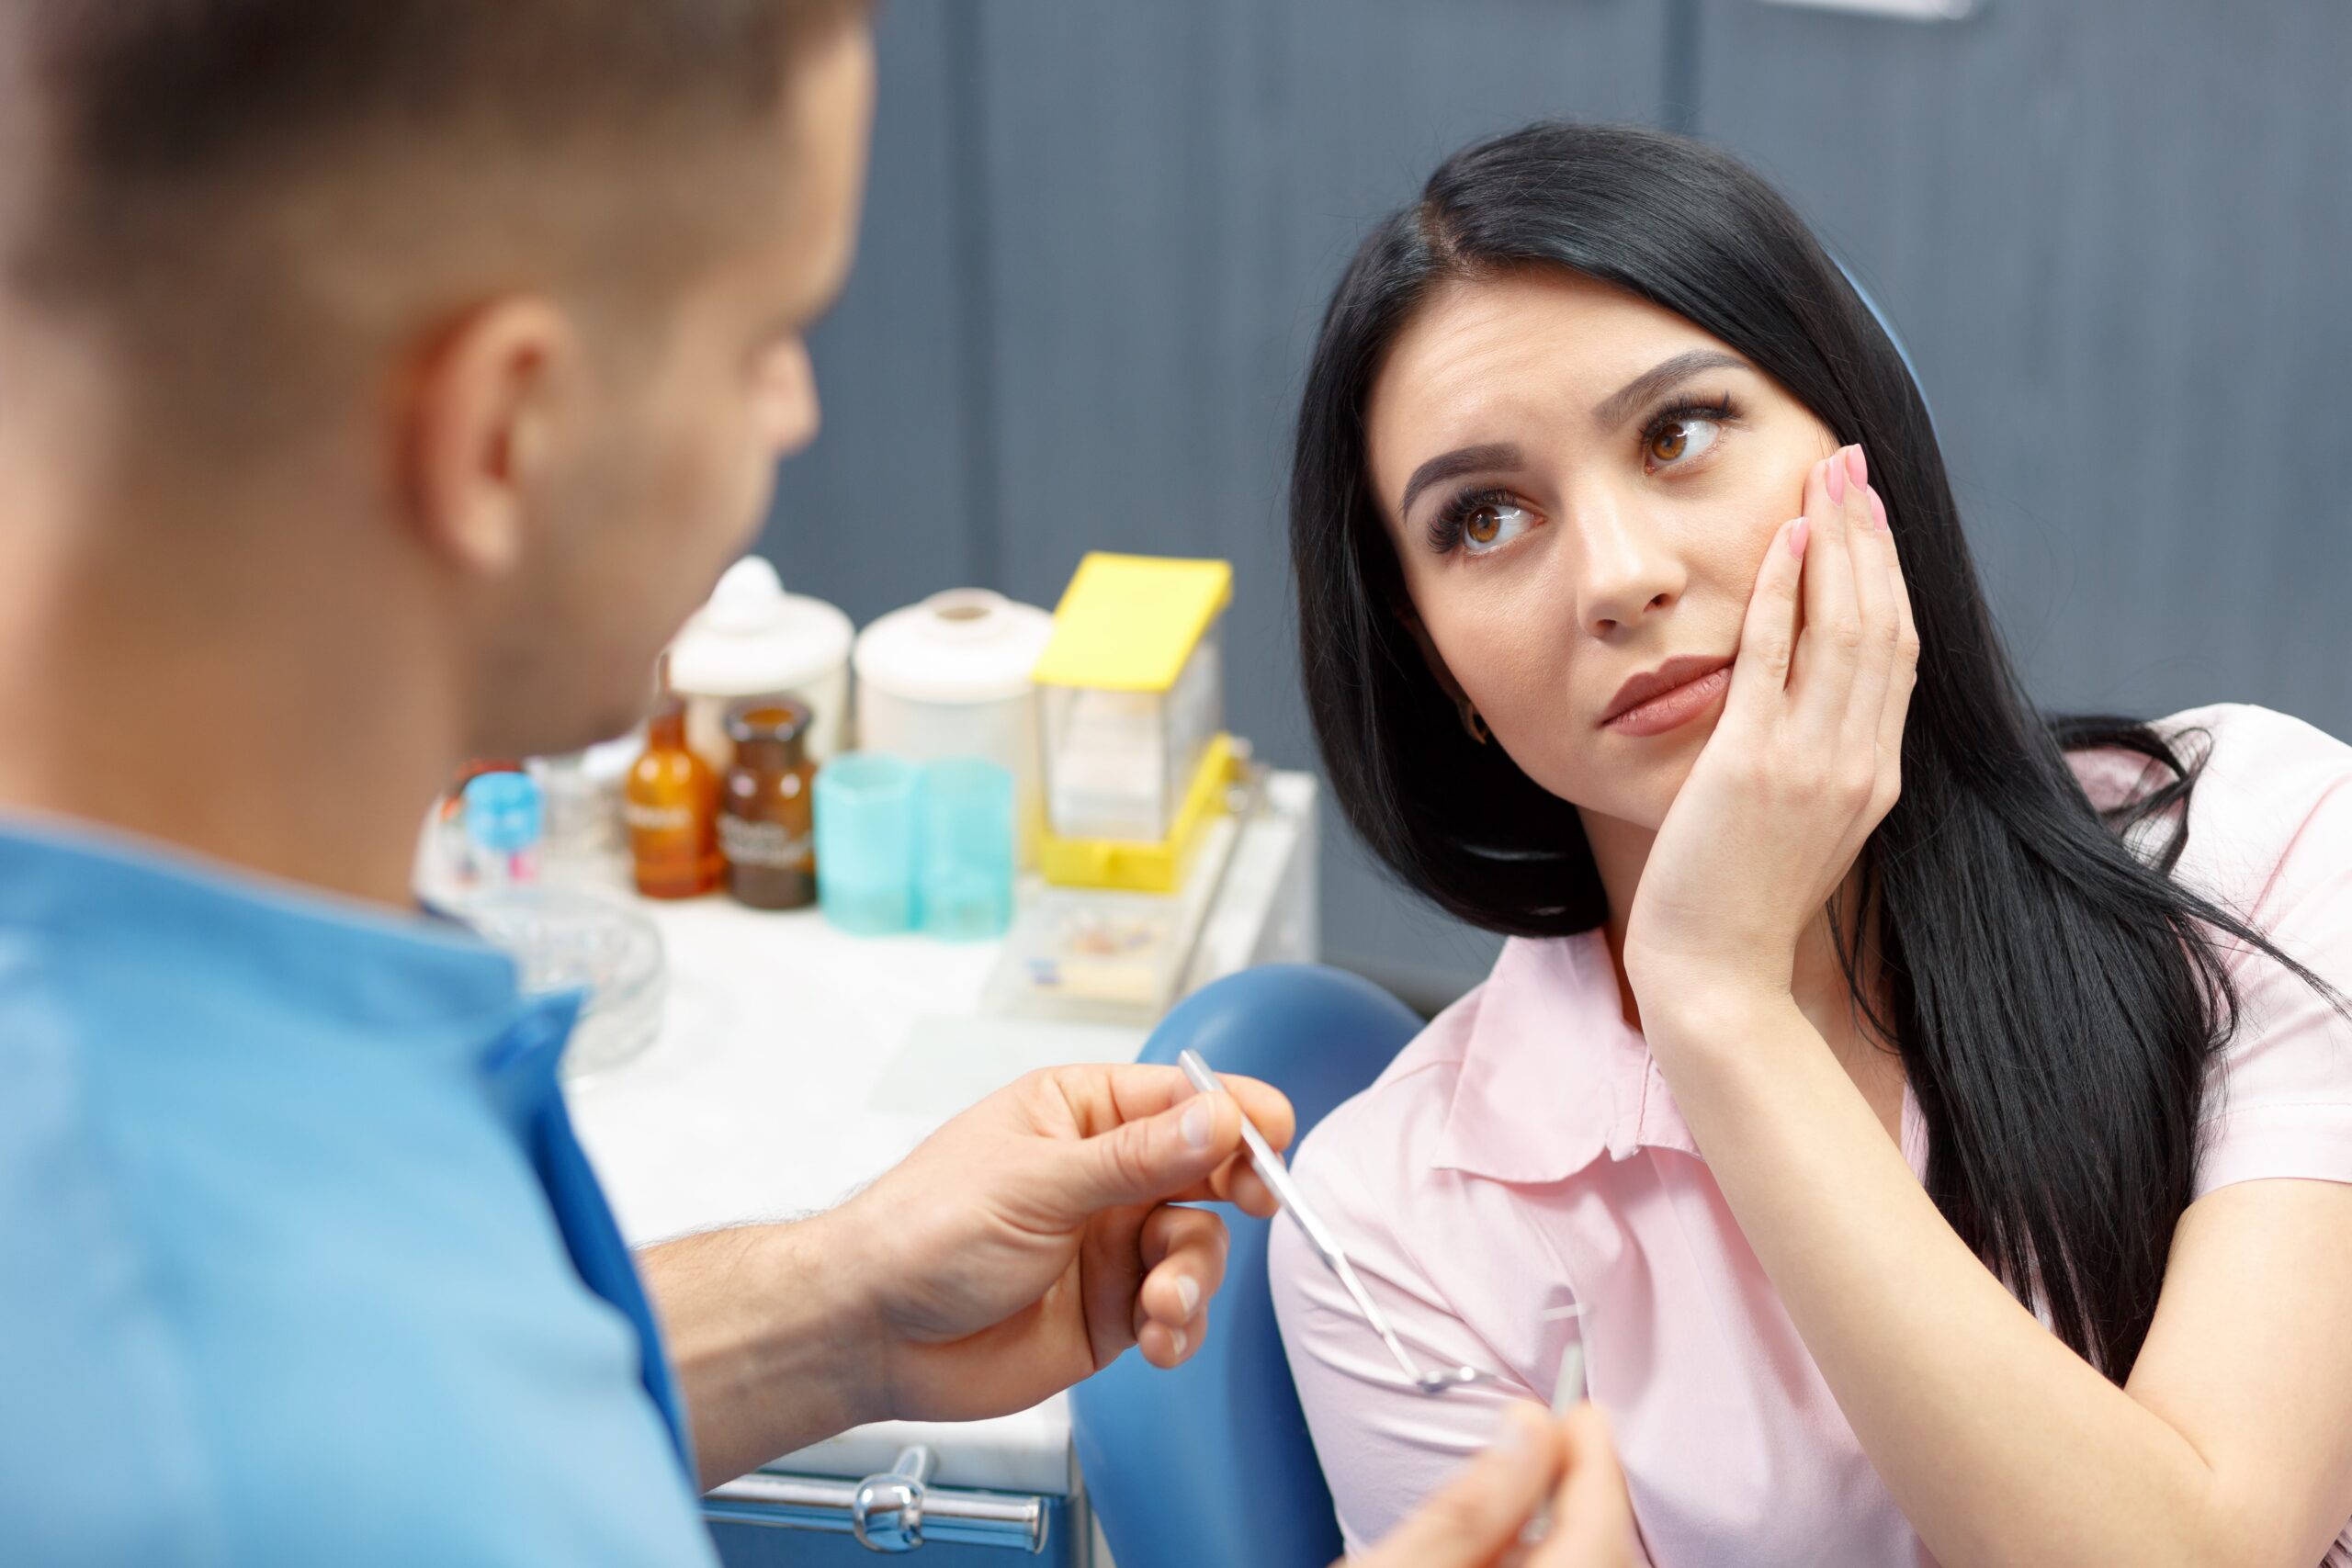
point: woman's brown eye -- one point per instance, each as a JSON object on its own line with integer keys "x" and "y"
{"x": 1677, "y": 442}
{"x": 1486, "y": 526}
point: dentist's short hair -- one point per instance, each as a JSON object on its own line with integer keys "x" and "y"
{"x": 203, "y": 176}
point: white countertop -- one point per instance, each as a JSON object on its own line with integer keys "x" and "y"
{"x": 795, "y": 1064}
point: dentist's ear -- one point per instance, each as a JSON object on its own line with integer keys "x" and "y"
{"x": 1472, "y": 722}
{"x": 485, "y": 401}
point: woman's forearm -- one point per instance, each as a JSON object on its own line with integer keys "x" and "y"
{"x": 2000, "y": 1444}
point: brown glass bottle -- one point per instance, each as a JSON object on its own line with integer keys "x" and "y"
{"x": 672, "y": 810}
{"x": 767, "y": 826}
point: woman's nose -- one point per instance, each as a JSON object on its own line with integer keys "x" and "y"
{"x": 1625, "y": 570}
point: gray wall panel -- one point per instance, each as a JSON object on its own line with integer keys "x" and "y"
{"x": 881, "y": 510}
{"x": 1173, "y": 190}
{"x": 2113, "y": 232}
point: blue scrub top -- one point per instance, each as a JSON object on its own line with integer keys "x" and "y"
{"x": 299, "y": 1259}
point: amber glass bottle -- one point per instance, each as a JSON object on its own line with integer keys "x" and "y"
{"x": 673, "y": 808}
{"x": 766, "y": 828}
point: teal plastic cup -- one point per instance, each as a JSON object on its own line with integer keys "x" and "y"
{"x": 969, "y": 829}
{"x": 867, "y": 834}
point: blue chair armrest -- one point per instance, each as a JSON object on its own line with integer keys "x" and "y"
{"x": 1212, "y": 1463}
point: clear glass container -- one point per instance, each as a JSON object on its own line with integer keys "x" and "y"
{"x": 587, "y": 842}
{"x": 563, "y": 941}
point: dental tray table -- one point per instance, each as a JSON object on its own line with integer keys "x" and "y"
{"x": 795, "y": 1064}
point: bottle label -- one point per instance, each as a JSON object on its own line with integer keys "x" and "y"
{"x": 659, "y": 819}
{"x": 767, "y": 845}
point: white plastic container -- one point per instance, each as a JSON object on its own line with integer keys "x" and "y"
{"x": 754, "y": 640}
{"x": 950, "y": 677}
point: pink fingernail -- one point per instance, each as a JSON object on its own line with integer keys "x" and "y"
{"x": 1878, "y": 512}
{"x": 1857, "y": 466}
{"x": 1833, "y": 477}
{"x": 1798, "y": 536}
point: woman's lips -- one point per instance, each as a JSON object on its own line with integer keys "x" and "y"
{"x": 1672, "y": 709}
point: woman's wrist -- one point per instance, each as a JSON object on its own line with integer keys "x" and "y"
{"x": 1697, "y": 1016}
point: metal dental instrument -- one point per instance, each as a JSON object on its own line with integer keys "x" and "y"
{"x": 1278, "y": 1178}
{"x": 1568, "y": 1389}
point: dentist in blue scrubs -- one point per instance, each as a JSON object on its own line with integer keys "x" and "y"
{"x": 381, "y": 383}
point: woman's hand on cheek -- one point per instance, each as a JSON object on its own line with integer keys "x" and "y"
{"x": 1805, "y": 762}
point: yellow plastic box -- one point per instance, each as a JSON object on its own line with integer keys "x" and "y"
{"x": 1132, "y": 689}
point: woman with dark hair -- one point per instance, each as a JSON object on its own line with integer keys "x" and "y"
{"x": 1930, "y": 1122}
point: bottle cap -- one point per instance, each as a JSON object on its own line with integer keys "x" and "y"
{"x": 967, "y": 645}
{"x": 504, "y": 812}
{"x": 777, "y": 724}
{"x": 752, "y": 637}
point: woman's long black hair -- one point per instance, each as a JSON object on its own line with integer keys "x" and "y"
{"x": 2055, "y": 995}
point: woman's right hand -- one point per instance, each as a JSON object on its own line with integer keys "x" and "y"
{"x": 1476, "y": 1520}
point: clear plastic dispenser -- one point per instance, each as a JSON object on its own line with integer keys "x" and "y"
{"x": 1133, "y": 691}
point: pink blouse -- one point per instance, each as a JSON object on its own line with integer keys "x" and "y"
{"x": 1524, "y": 1154}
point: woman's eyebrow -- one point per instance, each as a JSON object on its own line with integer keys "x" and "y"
{"x": 1620, "y": 405}
{"x": 1453, "y": 465}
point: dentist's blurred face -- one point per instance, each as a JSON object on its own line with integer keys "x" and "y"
{"x": 665, "y": 479}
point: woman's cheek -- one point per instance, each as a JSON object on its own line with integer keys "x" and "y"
{"x": 1523, "y": 692}
{"x": 1737, "y": 562}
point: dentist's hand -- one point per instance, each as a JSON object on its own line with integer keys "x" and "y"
{"x": 1476, "y": 1519}
{"x": 1028, "y": 1242}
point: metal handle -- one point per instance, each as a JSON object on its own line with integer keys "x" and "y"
{"x": 897, "y": 1510}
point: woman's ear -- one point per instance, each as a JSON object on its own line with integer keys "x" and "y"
{"x": 1472, "y": 722}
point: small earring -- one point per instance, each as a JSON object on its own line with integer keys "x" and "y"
{"x": 1476, "y": 723}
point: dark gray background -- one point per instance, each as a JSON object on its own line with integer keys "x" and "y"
{"x": 2113, "y": 233}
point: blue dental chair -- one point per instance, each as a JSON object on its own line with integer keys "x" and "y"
{"x": 1211, "y": 1463}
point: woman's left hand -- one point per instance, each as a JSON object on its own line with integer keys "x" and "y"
{"x": 1805, "y": 761}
